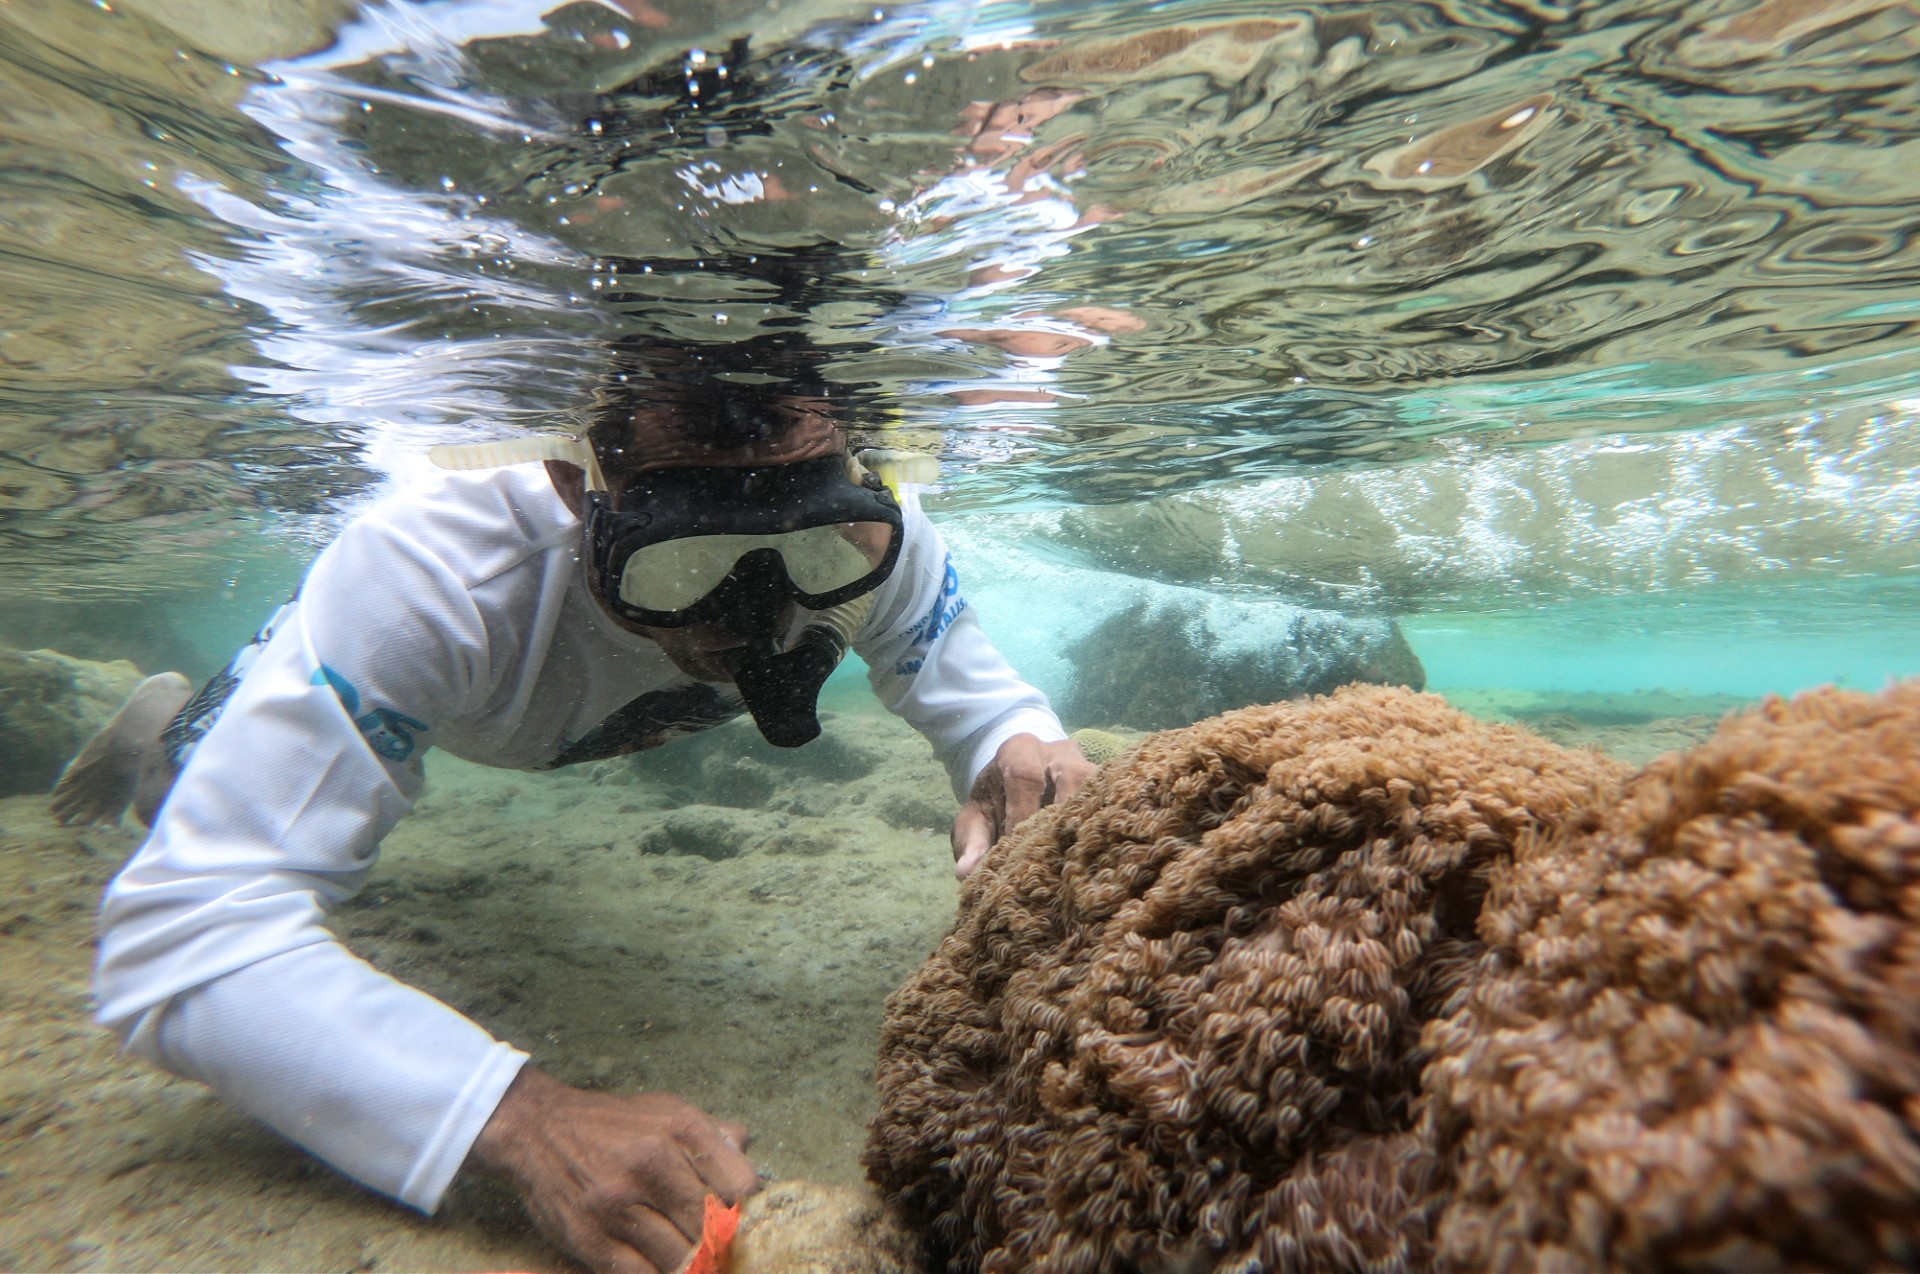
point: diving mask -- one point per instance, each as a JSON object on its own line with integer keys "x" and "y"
{"x": 734, "y": 546}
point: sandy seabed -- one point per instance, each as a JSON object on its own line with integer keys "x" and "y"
{"x": 716, "y": 919}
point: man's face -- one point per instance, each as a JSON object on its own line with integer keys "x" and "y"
{"x": 698, "y": 650}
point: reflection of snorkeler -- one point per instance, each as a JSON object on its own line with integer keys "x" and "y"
{"x": 703, "y": 557}
{"x": 1008, "y": 207}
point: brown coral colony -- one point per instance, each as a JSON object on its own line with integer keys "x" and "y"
{"x": 1363, "y": 982}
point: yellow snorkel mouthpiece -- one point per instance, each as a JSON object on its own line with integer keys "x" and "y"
{"x": 899, "y": 469}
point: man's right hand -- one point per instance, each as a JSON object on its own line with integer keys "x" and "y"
{"x": 619, "y": 1182}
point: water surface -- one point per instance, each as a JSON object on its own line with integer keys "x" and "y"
{"x": 1442, "y": 308}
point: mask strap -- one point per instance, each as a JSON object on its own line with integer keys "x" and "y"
{"x": 494, "y": 455}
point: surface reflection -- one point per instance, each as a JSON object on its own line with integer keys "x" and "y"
{"x": 1087, "y": 253}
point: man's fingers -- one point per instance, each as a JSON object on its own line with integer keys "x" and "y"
{"x": 736, "y": 1134}
{"x": 655, "y": 1242}
{"x": 618, "y": 1258}
{"x": 1025, "y": 775}
{"x": 675, "y": 1199}
{"x": 972, "y": 838}
{"x": 1069, "y": 775}
{"x": 711, "y": 1163}
{"x": 620, "y": 1182}
{"x": 599, "y": 1245}
{"x": 970, "y": 860}
{"x": 724, "y": 1167}
{"x": 626, "y": 1261}
{"x": 665, "y": 1229}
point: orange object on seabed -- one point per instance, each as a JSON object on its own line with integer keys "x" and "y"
{"x": 716, "y": 1238}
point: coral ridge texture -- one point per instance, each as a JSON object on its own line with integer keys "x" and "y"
{"x": 1363, "y": 983}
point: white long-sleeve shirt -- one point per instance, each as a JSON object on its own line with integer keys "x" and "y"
{"x": 455, "y": 615}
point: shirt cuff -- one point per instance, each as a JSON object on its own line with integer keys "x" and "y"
{"x": 427, "y": 1184}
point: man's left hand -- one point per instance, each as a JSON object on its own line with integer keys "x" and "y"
{"x": 1023, "y": 775}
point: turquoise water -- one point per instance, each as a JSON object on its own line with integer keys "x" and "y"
{"x": 1734, "y": 641}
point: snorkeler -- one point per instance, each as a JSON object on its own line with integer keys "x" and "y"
{"x": 695, "y": 557}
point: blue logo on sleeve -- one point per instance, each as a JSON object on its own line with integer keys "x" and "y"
{"x": 947, "y": 607}
{"x": 388, "y": 733}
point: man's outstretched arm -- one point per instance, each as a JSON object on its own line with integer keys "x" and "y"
{"x": 931, "y": 664}
{"x": 216, "y": 962}
{"x": 215, "y": 959}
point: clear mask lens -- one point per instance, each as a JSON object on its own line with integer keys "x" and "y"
{"x": 673, "y": 575}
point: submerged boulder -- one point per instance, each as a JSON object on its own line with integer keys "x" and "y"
{"x": 1174, "y": 658}
{"x": 1583, "y": 515}
{"x": 50, "y": 705}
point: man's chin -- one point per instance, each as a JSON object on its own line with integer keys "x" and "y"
{"x": 704, "y": 668}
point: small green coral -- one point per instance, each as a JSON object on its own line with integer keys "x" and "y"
{"x": 1101, "y": 746}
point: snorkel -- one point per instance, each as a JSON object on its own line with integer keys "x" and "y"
{"x": 782, "y": 687}
{"x": 779, "y": 683}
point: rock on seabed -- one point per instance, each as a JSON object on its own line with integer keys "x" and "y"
{"x": 51, "y": 704}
